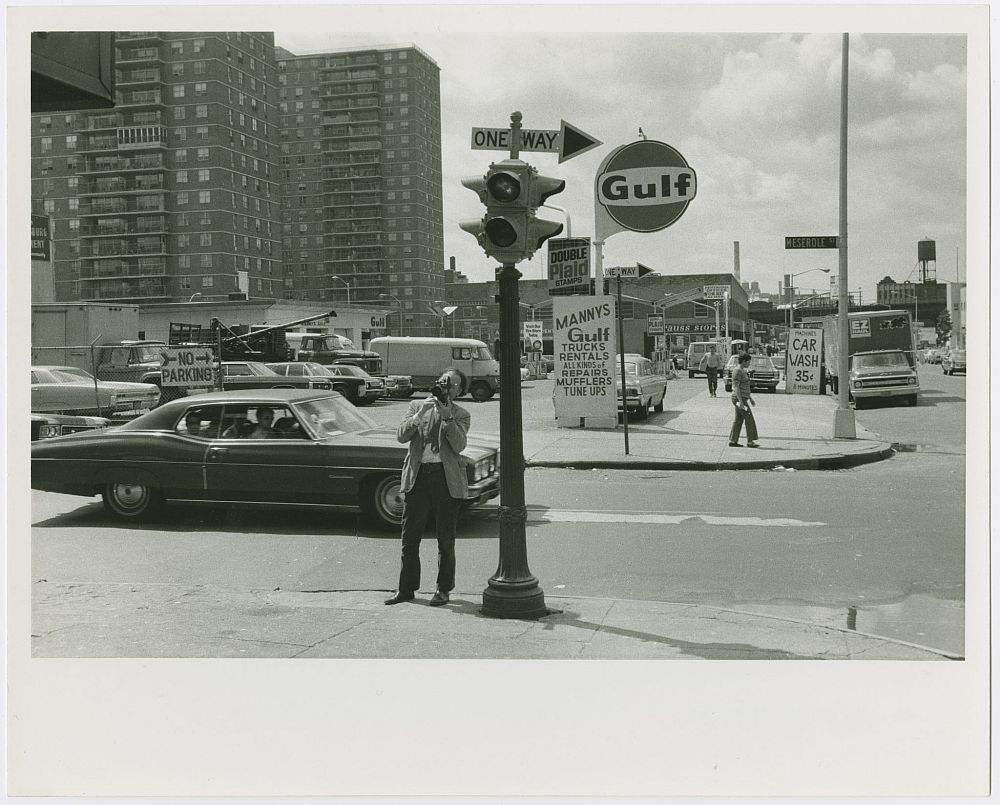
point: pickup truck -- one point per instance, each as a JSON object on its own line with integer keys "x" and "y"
{"x": 881, "y": 375}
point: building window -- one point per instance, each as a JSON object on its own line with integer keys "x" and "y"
{"x": 46, "y": 144}
{"x": 73, "y": 182}
{"x": 201, "y": 132}
{"x": 180, "y": 134}
{"x": 199, "y": 45}
{"x": 204, "y": 175}
{"x": 182, "y": 219}
{"x": 181, "y": 155}
{"x": 204, "y": 196}
{"x": 205, "y": 219}
{"x": 182, "y": 197}
{"x": 185, "y": 283}
{"x": 183, "y": 241}
{"x": 182, "y": 177}
{"x": 201, "y": 88}
{"x": 206, "y": 239}
{"x": 202, "y": 154}
{"x": 178, "y": 90}
{"x": 71, "y": 141}
{"x": 74, "y": 204}
{"x": 180, "y": 113}
{"x": 74, "y": 225}
{"x": 199, "y": 68}
{"x": 207, "y": 282}
{"x": 184, "y": 260}
{"x": 177, "y": 69}
{"x": 201, "y": 110}
{"x": 176, "y": 48}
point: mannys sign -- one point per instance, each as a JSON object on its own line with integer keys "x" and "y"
{"x": 643, "y": 186}
{"x": 583, "y": 340}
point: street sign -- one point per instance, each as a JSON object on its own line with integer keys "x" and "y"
{"x": 568, "y": 141}
{"x": 187, "y": 367}
{"x": 813, "y": 242}
{"x": 644, "y": 186}
{"x": 654, "y": 324}
{"x": 622, "y": 272}
{"x": 715, "y": 291}
{"x": 532, "y": 334}
{"x": 569, "y": 265}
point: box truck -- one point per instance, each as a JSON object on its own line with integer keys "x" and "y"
{"x": 425, "y": 358}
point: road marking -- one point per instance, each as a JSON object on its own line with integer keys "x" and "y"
{"x": 661, "y": 518}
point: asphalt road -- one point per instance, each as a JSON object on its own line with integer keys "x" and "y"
{"x": 866, "y": 544}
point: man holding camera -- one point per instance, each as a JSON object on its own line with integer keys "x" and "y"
{"x": 433, "y": 482}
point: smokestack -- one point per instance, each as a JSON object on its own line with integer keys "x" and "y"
{"x": 736, "y": 259}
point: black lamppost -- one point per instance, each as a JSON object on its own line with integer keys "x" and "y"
{"x": 512, "y": 591}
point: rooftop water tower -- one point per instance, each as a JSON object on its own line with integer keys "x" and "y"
{"x": 927, "y": 260}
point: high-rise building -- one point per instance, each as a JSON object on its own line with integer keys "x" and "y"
{"x": 175, "y": 192}
{"x": 361, "y": 179}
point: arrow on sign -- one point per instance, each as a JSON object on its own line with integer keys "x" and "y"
{"x": 573, "y": 141}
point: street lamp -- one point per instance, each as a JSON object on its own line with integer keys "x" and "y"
{"x": 791, "y": 295}
{"x": 714, "y": 307}
{"x": 193, "y": 296}
{"x": 443, "y": 310}
{"x": 399, "y": 308}
{"x": 341, "y": 279}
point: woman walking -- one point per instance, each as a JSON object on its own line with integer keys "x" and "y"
{"x": 742, "y": 402}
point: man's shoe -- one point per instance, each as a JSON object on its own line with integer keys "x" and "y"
{"x": 735, "y": 444}
{"x": 439, "y": 599}
{"x": 398, "y": 598}
{"x": 752, "y": 444}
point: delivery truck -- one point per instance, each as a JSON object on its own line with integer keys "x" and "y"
{"x": 882, "y": 362}
{"x": 425, "y": 358}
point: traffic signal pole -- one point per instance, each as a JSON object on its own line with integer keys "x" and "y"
{"x": 512, "y": 592}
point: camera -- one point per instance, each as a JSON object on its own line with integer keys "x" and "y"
{"x": 440, "y": 391}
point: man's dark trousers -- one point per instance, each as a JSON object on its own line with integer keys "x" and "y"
{"x": 429, "y": 495}
{"x": 713, "y": 382}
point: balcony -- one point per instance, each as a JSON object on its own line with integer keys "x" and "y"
{"x": 121, "y": 184}
{"x": 138, "y": 77}
{"x": 100, "y": 122}
{"x": 123, "y": 248}
{"x": 129, "y": 55}
{"x": 123, "y": 268}
{"x": 139, "y": 98}
{"x": 351, "y": 199}
{"x": 120, "y": 164}
{"x": 135, "y": 137}
{"x": 138, "y": 36}
{"x": 123, "y": 226}
{"x": 123, "y": 206}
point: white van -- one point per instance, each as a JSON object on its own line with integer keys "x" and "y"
{"x": 424, "y": 359}
{"x": 696, "y": 351}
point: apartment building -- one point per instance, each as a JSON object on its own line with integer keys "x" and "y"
{"x": 174, "y": 193}
{"x": 361, "y": 180}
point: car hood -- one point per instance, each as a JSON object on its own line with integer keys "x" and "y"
{"x": 881, "y": 371}
{"x": 476, "y": 447}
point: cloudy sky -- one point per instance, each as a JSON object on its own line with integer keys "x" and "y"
{"x": 756, "y": 116}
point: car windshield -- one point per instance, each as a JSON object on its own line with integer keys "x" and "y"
{"x": 348, "y": 369}
{"x": 150, "y": 354}
{"x": 482, "y": 354}
{"x": 878, "y": 360}
{"x": 631, "y": 368}
{"x": 761, "y": 363}
{"x": 248, "y": 368}
{"x": 330, "y": 416}
{"x": 958, "y": 355}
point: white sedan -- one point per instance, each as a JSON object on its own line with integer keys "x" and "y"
{"x": 69, "y": 390}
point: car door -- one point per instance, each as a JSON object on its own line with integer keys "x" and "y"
{"x": 181, "y": 455}
{"x": 265, "y": 470}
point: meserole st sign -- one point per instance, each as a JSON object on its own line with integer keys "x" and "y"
{"x": 645, "y": 186}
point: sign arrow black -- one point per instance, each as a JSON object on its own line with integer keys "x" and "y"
{"x": 574, "y": 142}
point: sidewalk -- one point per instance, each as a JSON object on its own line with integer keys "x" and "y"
{"x": 796, "y": 432}
{"x": 200, "y": 621}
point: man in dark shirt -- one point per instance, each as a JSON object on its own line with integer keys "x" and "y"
{"x": 742, "y": 402}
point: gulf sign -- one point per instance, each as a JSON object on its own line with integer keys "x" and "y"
{"x": 646, "y": 186}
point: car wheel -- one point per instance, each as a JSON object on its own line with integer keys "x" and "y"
{"x": 382, "y": 501}
{"x": 346, "y": 393}
{"x": 643, "y": 411}
{"x": 480, "y": 392}
{"x": 729, "y": 386}
{"x": 131, "y": 501}
{"x": 911, "y": 400}
{"x": 659, "y": 406}
{"x": 690, "y": 373}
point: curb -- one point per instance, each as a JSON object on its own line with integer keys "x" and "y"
{"x": 833, "y": 462}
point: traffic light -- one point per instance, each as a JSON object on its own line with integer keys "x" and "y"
{"x": 512, "y": 191}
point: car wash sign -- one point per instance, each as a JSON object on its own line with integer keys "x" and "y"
{"x": 644, "y": 186}
{"x": 805, "y": 348}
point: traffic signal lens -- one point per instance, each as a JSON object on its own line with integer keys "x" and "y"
{"x": 504, "y": 187}
{"x": 501, "y": 232}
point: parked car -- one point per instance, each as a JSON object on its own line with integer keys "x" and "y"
{"x": 762, "y": 371}
{"x": 374, "y": 386}
{"x": 322, "y": 451}
{"x": 69, "y": 390}
{"x": 352, "y": 388}
{"x": 953, "y": 361}
{"x": 645, "y": 388}
{"x": 48, "y": 426}
{"x": 548, "y": 363}
{"x": 525, "y": 374}
{"x": 398, "y": 387}
{"x": 934, "y": 356}
{"x": 238, "y": 375}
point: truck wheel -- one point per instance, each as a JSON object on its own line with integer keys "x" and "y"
{"x": 382, "y": 501}
{"x": 132, "y": 501}
{"x": 659, "y": 406}
{"x": 690, "y": 373}
{"x": 480, "y": 392}
{"x": 345, "y": 392}
{"x": 643, "y": 413}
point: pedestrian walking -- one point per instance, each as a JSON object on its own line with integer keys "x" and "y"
{"x": 433, "y": 482}
{"x": 710, "y": 364}
{"x": 742, "y": 402}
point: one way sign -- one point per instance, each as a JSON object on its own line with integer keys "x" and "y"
{"x": 568, "y": 141}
